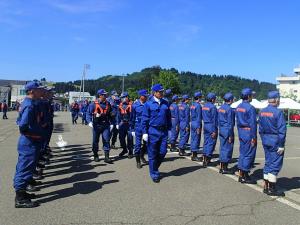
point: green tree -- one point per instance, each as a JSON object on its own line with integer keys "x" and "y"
{"x": 169, "y": 79}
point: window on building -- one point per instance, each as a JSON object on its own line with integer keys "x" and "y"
{"x": 22, "y": 92}
{"x": 295, "y": 91}
{"x": 294, "y": 82}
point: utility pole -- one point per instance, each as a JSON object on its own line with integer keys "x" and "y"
{"x": 85, "y": 68}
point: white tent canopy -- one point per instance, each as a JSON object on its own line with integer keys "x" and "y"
{"x": 257, "y": 104}
{"x": 287, "y": 103}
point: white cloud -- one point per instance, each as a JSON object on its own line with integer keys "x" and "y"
{"x": 83, "y": 6}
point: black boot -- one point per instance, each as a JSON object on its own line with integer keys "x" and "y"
{"x": 204, "y": 160}
{"x": 273, "y": 190}
{"x": 182, "y": 153}
{"x": 221, "y": 170}
{"x": 138, "y": 162}
{"x": 195, "y": 157}
{"x": 107, "y": 159}
{"x": 173, "y": 148}
{"x": 144, "y": 161}
{"x": 96, "y": 157}
{"x": 34, "y": 182}
{"x": 266, "y": 186}
{"x": 226, "y": 170}
{"x": 130, "y": 155}
{"x": 241, "y": 175}
{"x": 247, "y": 179}
{"x": 124, "y": 152}
{"x": 22, "y": 200}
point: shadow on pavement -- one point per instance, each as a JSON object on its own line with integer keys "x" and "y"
{"x": 181, "y": 171}
{"x": 289, "y": 183}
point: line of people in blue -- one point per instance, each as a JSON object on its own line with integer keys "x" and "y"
{"x": 35, "y": 122}
{"x": 153, "y": 121}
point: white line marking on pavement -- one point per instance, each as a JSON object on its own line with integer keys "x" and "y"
{"x": 253, "y": 186}
{"x": 285, "y": 158}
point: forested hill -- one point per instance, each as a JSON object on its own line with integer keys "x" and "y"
{"x": 181, "y": 83}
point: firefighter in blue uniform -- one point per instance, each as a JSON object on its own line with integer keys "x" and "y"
{"x": 247, "y": 131}
{"x": 123, "y": 121}
{"x": 4, "y": 110}
{"x": 272, "y": 129}
{"x": 74, "y": 112}
{"x": 156, "y": 121}
{"x": 83, "y": 111}
{"x": 184, "y": 124}
{"x": 136, "y": 127}
{"x": 29, "y": 144}
{"x": 99, "y": 118}
{"x": 226, "y": 121}
{"x": 196, "y": 125}
{"x": 210, "y": 130}
{"x": 175, "y": 122}
{"x": 115, "y": 102}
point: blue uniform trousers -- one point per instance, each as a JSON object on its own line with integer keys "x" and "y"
{"x": 97, "y": 131}
{"x": 273, "y": 161}
{"x": 139, "y": 143}
{"x": 157, "y": 150}
{"x": 226, "y": 148}
{"x": 195, "y": 139}
{"x": 209, "y": 143}
{"x": 173, "y": 133}
{"x": 184, "y": 136}
{"x": 124, "y": 131}
{"x": 28, "y": 151}
{"x": 247, "y": 151}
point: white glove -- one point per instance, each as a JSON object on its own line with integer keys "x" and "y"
{"x": 98, "y": 115}
{"x": 117, "y": 126}
{"x": 145, "y": 137}
{"x": 280, "y": 151}
{"x": 133, "y": 134}
{"x": 111, "y": 127}
{"x": 91, "y": 124}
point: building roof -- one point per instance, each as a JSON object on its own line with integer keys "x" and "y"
{"x": 12, "y": 82}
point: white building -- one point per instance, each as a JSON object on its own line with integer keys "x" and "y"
{"x": 290, "y": 85}
{"x": 77, "y": 96}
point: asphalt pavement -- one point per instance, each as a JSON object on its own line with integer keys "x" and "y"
{"x": 77, "y": 190}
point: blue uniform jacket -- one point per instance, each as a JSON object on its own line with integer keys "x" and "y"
{"x": 174, "y": 110}
{"x": 246, "y": 118}
{"x": 196, "y": 115}
{"x": 106, "y": 119}
{"x": 226, "y": 120}
{"x": 156, "y": 115}
{"x": 29, "y": 120}
{"x": 210, "y": 117}
{"x": 115, "y": 109}
{"x": 184, "y": 115}
{"x": 136, "y": 115}
{"x": 272, "y": 126}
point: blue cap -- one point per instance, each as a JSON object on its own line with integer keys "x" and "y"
{"x": 185, "y": 97}
{"x": 101, "y": 92}
{"x": 157, "y": 87}
{"x": 197, "y": 94}
{"x": 168, "y": 92}
{"x": 228, "y": 96}
{"x": 273, "y": 94}
{"x": 246, "y": 92}
{"x": 143, "y": 92}
{"x": 114, "y": 93}
{"x": 211, "y": 96}
{"x": 33, "y": 85}
{"x": 175, "y": 97}
{"x": 124, "y": 94}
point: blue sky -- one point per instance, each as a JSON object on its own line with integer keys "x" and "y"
{"x": 54, "y": 38}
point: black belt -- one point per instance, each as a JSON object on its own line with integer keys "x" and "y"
{"x": 162, "y": 128}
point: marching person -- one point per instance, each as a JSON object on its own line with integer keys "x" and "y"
{"x": 74, "y": 112}
{"x": 272, "y": 129}
{"x": 99, "y": 119}
{"x": 226, "y": 121}
{"x": 4, "y": 110}
{"x": 196, "y": 125}
{"x": 29, "y": 144}
{"x": 175, "y": 122}
{"x": 83, "y": 110}
{"x": 136, "y": 127}
{"x": 210, "y": 120}
{"x": 184, "y": 124}
{"x": 123, "y": 125}
{"x": 247, "y": 131}
{"x": 115, "y": 103}
{"x": 156, "y": 121}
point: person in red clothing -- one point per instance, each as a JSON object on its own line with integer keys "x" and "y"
{"x": 4, "y": 107}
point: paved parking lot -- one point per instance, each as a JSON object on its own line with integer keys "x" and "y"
{"x": 77, "y": 190}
